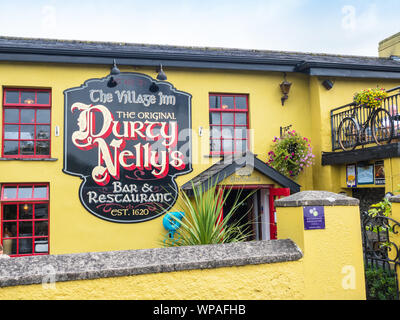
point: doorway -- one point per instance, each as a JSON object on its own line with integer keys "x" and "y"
{"x": 257, "y": 213}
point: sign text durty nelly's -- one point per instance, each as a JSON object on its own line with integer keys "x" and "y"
{"x": 127, "y": 145}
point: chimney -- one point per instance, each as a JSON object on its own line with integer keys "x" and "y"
{"x": 390, "y": 47}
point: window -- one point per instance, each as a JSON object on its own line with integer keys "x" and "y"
{"x": 25, "y": 219}
{"x": 26, "y": 123}
{"x": 228, "y": 123}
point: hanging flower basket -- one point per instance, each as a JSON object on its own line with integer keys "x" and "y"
{"x": 370, "y": 98}
{"x": 291, "y": 154}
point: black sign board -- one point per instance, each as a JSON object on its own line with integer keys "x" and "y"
{"x": 128, "y": 138}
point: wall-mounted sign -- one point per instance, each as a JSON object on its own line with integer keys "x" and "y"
{"x": 314, "y": 218}
{"x": 128, "y": 143}
{"x": 365, "y": 174}
{"x": 351, "y": 175}
{"x": 380, "y": 173}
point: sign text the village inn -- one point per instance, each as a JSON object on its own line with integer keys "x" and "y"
{"x": 128, "y": 143}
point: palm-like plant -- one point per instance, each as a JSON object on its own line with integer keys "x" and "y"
{"x": 203, "y": 223}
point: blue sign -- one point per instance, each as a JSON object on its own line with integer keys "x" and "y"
{"x": 314, "y": 218}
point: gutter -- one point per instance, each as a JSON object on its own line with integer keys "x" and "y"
{"x": 142, "y": 58}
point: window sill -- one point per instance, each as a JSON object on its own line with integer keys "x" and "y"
{"x": 213, "y": 156}
{"x": 28, "y": 159}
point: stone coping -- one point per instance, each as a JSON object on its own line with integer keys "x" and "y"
{"x": 316, "y": 198}
{"x": 85, "y": 266}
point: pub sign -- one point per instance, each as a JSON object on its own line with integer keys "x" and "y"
{"x": 127, "y": 137}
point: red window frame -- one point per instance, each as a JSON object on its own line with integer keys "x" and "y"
{"x": 33, "y": 220}
{"x": 33, "y": 105}
{"x": 235, "y": 126}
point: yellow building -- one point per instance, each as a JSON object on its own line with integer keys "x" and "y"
{"x": 92, "y": 159}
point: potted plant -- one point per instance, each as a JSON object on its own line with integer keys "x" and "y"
{"x": 202, "y": 222}
{"x": 291, "y": 154}
{"x": 370, "y": 98}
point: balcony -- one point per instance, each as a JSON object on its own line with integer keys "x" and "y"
{"x": 362, "y": 134}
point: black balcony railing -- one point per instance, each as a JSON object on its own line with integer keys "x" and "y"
{"x": 362, "y": 117}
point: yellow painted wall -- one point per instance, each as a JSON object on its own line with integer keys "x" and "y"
{"x": 247, "y": 177}
{"x": 333, "y": 257}
{"x": 281, "y": 281}
{"x": 73, "y": 229}
{"x": 390, "y": 46}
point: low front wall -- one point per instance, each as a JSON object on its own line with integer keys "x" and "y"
{"x": 264, "y": 270}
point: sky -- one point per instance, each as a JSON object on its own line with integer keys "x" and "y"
{"x": 318, "y": 26}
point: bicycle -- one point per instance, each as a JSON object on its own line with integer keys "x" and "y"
{"x": 351, "y": 132}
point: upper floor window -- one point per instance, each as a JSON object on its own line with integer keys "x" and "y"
{"x": 229, "y": 123}
{"x": 26, "y": 123}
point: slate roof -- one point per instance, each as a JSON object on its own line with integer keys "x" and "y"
{"x": 72, "y": 51}
{"x": 228, "y": 166}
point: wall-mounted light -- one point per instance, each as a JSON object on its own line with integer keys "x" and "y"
{"x": 114, "y": 72}
{"x": 161, "y": 74}
{"x": 285, "y": 89}
{"x": 328, "y": 84}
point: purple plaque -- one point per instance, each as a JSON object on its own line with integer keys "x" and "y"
{"x": 314, "y": 218}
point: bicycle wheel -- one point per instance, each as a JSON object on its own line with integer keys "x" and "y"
{"x": 348, "y": 134}
{"x": 382, "y": 126}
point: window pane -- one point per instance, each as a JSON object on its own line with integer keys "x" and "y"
{"x": 241, "y": 145}
{"x": 241, "y": 133}
{"x": 41, "y": 211}
{"x": 227, "y": 132}
{"x": 43, "y": 116}
{"x": 27, "y": 132}
{"x": 227, "y": 118}
{"x": 40, "y": 193}
{"x": 9, "y": 193}
{"x": 10, "y": 212}
{"x": 27, "y": 116}
{"x": 43, "y": 97}
{"x": 215, "y": 145}
{"x": 11, "y": 132}
{"x": 12, "y": 96}
{"x": 41, "y": 245}
{"x": 43, "y": 148}
{"x": 25, "y": 246}
{"x": 240, "y": 118}
{"x": 241, "y": 102}
{"x": 27, "y": 147}
{"x": 11, "y": 115}
{"x": 227, "y": 145}
{"x": 227, "y": 102}
{"x": 10, "y": 229}
{"x": 25, "y": 211}
{"x": 9, "y": 245}
{"x": 214, "y": 102}
{"x": 25, "y": 228}
{"x": 10, "y": 148}
{"x": 25, "y": 192}
{"x": 215, "y": 118}
{"x": 43, "y": 132}
{"x": 28, "y": 97}
{"x": 216, "y": 133}
{"x": 41, "y": 228}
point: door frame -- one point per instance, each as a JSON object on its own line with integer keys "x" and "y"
{"x": 273, "y": 193}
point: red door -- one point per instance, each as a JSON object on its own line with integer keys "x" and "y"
{"x": 275, "y": 194}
